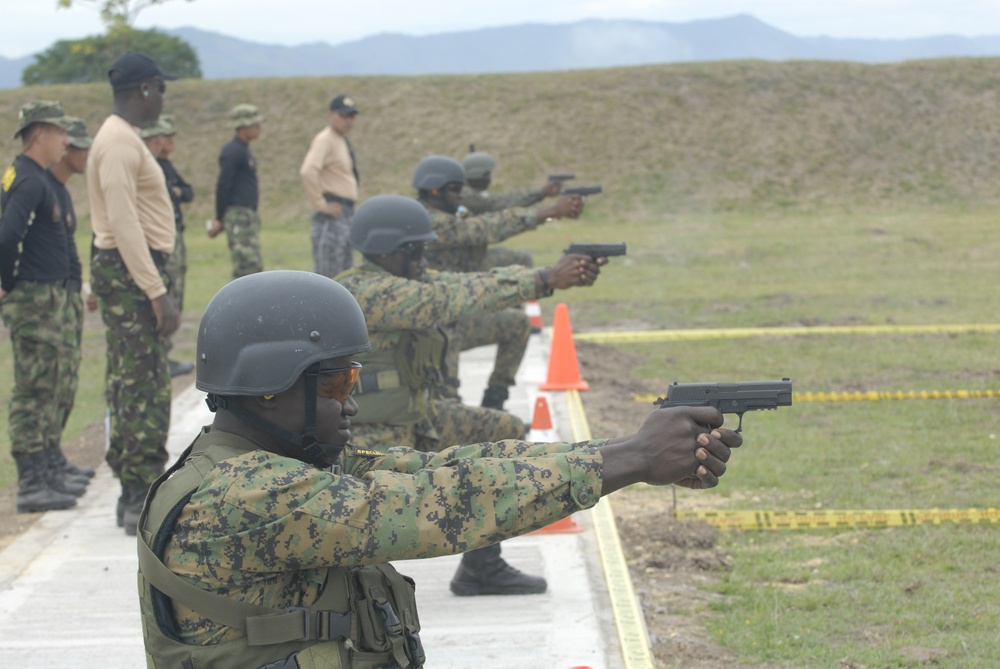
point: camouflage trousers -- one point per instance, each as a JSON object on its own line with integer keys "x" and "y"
{"x": 72, "y": 346}
{"x": 175, "y": 269}
{"x": 243, "y": 232}
{"x": 501, "y": 256}
{"x": 37, "y": 316}
{"x": 332, "y": 252}
{"x": 137, "y": 382}
{"x": 448, "y": 423}
{"x": 508, "y": 328}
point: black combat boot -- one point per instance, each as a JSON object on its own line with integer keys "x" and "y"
{"x": 484, "y": 572}
{"x": 494, "y": 397}
{"x": 33, "y": 491}
{"x": 120, "y": 509}
{"x": 179, "y": 368}
{"x": 76, "y": 470}
{"x": 62, "y": 466}
{"x": 72, "y": 471}
{"x": 134, "y": 494}
{"x": 56, "y": 476}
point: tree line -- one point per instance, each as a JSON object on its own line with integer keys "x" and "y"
{"x": 87, "y": 59}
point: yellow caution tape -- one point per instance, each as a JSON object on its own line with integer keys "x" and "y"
{"x": 637, "y": 652}
{"x": 868, "y": 395}
{"x": 654, "y": 336}
{"x": 811, "y": 520}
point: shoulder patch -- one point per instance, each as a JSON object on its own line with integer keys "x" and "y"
{"x": 368, "y": 453}
{"x": 8, "y": 178}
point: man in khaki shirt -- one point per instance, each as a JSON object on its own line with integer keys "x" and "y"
{"x": 134, "y": 233}
{"x": 330, "y": 176}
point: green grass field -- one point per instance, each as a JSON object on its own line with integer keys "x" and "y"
{"x": 750, "y": 195}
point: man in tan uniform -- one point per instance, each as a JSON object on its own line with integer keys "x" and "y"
{"x": 330, "y": 176}
{"x": 134, "y": 233}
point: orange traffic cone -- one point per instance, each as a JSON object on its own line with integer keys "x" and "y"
{"x": 534, "y": 311}
{"x": 564, "y": 370}
{"x": 542, "y": 428}
{"x": 563, "y": 526}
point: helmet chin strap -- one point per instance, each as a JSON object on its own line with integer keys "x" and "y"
{"x": 408, "y": 255}
{"x": 309, "y": 448}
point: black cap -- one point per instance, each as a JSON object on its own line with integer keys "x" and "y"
{"x": 343, "y": 104}
{"x": 134, "y": 68}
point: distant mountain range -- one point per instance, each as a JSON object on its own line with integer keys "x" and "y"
{"x": 536, "y": 47}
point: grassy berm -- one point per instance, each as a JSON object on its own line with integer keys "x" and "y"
{"x": 750, "y": 194}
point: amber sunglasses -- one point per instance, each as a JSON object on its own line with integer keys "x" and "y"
{"x": 339, "y": 382}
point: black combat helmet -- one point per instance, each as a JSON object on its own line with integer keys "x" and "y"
{"x": 478, "y": 164}
{"x": 385, "y": 222}
{"x": 264, "y": 331}
{"x": 436, "y": 171}
{"x": 260, "y": 332}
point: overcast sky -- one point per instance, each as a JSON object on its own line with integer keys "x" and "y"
{"x": 29, "y": 26}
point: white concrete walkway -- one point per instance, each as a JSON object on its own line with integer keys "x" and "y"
{"x": 68, "y": 597}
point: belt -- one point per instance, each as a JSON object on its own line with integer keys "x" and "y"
{"x": 330, "y": 197}
{"x": 159, "y": 257}
{"x": 69, "y": 283}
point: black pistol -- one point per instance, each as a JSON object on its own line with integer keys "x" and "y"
{"x": 737, "y": 398}
{"x": 596, "y": 251}
{"x": 582, "y": 190}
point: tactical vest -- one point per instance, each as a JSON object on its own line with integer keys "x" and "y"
{"x": 365, "y": 617}
{"x": 395, "y": 385}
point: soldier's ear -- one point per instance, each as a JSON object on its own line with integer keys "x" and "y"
{"x": 435, "y": 192}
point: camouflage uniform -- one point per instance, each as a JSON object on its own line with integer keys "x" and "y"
{"x": 34, "y": 314}
{"x": 462, "y": 246}
{"x": 265, "y": 529}
{"x": 35, "y": 270}
{"x": 72, "y": 322}
{"x": 394, "y": 305}
{"x": 138, "y": 381}
{"x": 237, "y": 195}
{"x": 481, "y": 202}
{"x": 463, "y": 240}
{"x": 243, "y": 234}
{"x": 176, "y": 267}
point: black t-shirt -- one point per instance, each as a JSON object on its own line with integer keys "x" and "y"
{"x": 69, "y": 218}
{"x": 34, "y": 243}
{"x": 174, "y": 180}
{"x": 237, "y": 184}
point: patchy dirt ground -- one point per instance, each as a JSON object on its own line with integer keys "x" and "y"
{"x": 668, "y": 559}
